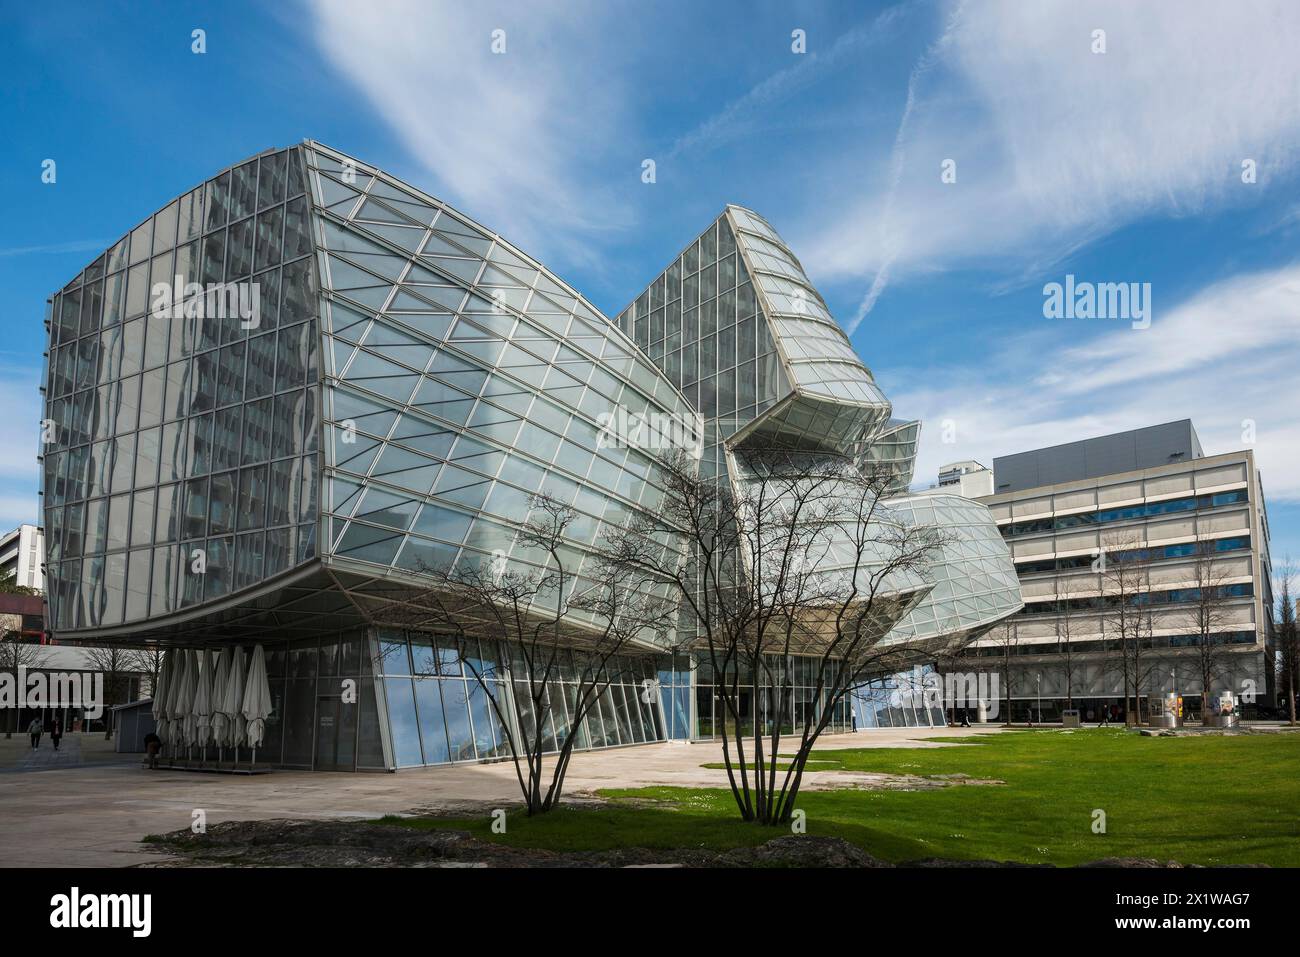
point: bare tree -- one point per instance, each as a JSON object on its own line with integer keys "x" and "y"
{"x": 116, "y": 664}
{"x": 1207, "y": 615}
{"x": 949, "y": 661}
{"x": 1065, "y": 615}
{"x": 16, "y": 654}
{"x": 1006, "y": 637}
{"x": 1286, "y": 639}
{"x": 566, "y": 633}
{"x": 147, "y": 661}
{"x": 1125, "y": 567}
{"x": 797, "y": 556}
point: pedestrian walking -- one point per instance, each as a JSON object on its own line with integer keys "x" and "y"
{"x": 56, "y": 732}
{"x": 34, "y": 729}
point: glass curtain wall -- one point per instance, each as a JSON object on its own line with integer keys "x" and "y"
{"x": 675, "y": 696}
{"x": 439, "y": 712}
{"x": 757, "y": 701}
{"x": 896, "y": 701}
{"x": 180, "y": 424}
{"x": 324, "y": 714}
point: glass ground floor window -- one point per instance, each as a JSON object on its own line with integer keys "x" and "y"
{"x": 324, "y": 711}
{"x": 448, "y": 703}
{"x": 384, "y": 699}
{"x": 786, "y": 692}
{"x": 897, "y": 701}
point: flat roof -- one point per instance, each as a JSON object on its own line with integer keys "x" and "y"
{"x": 1147, "y": 447}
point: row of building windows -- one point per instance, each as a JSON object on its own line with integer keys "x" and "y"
{"x": 1111, "y": 602}
{"x": 1106, "y": 645}
{"x": 1128, "y": 513}
{"x": 1182, "y": 550}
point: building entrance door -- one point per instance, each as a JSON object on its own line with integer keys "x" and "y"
{"x": 336, "y": 734}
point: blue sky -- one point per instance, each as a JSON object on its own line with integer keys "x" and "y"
{"x": 1122, "y": 166}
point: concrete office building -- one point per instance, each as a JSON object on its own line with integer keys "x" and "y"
{"x": 968, "y": 478}
{"x": 1150, "y": 494}
{"x": 22, "y": 555}
{"x": 410, "y": 379}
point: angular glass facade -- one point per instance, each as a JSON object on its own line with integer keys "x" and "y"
{"x": 305, "y": 380}
{"x": 177, "y": 431}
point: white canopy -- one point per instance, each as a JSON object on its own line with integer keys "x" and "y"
{"x": 232, "y": 701}
{"x": 257, "y": 698}
{"x": 202, "y": 708}
{"x": 220, "y": 717}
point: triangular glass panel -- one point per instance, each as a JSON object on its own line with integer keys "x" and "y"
{"x": 377, "y": 212}
{"x": 379, "y": 375}
{"x": 438, "y": 245}
{"x": 373, "y": 297}
{"x": 448, "y": 297}
{"x": 408, "y": 237}
{"x": 434, "y": 325}
{"x": 499, "y": 277}
{"x": 395, "y": 344}
{"x": 336, "y": 196}
{"x": 466, "y": 269}
{"x": 420, "y": 275}
{"x": 385, "y": 264}
{"x": 366, "y": 414}
{"x": 345, "y": 275}
{"x": 347, "y": 323}
{"x": 510, "y": 296}
{"x": 464, "y": 233}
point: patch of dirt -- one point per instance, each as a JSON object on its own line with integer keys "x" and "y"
{"x": 836, "y": 779}
{"x": 292, "y": 843}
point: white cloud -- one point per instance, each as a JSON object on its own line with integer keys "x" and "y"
{"x": 1056, "y": 145}
{"x": 1226, "y": 355}
{"x": 75, "y": 246}
{"x": 512, "y": 138}
{"x": 739, "y": 117}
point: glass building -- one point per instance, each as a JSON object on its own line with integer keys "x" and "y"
{"x": 304, "y": 380}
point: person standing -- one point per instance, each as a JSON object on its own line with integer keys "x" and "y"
{"x": 152, "y": 745}
{"x": 34, "y": 729}
{"x": 56, "y": 732}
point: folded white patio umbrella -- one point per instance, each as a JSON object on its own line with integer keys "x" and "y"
{"x": 203, "y": 699}
{"x": 220, "y": 717}
{"x": 232, "y": 701}
{"x": 257, "y": 698}
{"x": 176, "y": 697}
{"x": 160, "y": 696}
{"x": 185, "y": 705}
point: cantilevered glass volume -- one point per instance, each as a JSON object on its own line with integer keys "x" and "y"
{"x": 304, "y": 380}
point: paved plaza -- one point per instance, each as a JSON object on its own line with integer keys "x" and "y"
{"x": 61, "y": 814}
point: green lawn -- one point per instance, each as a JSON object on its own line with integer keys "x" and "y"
{"x": 1198, "y": 800}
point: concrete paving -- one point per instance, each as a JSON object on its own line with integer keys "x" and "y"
{"x": 95, "y": 816}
